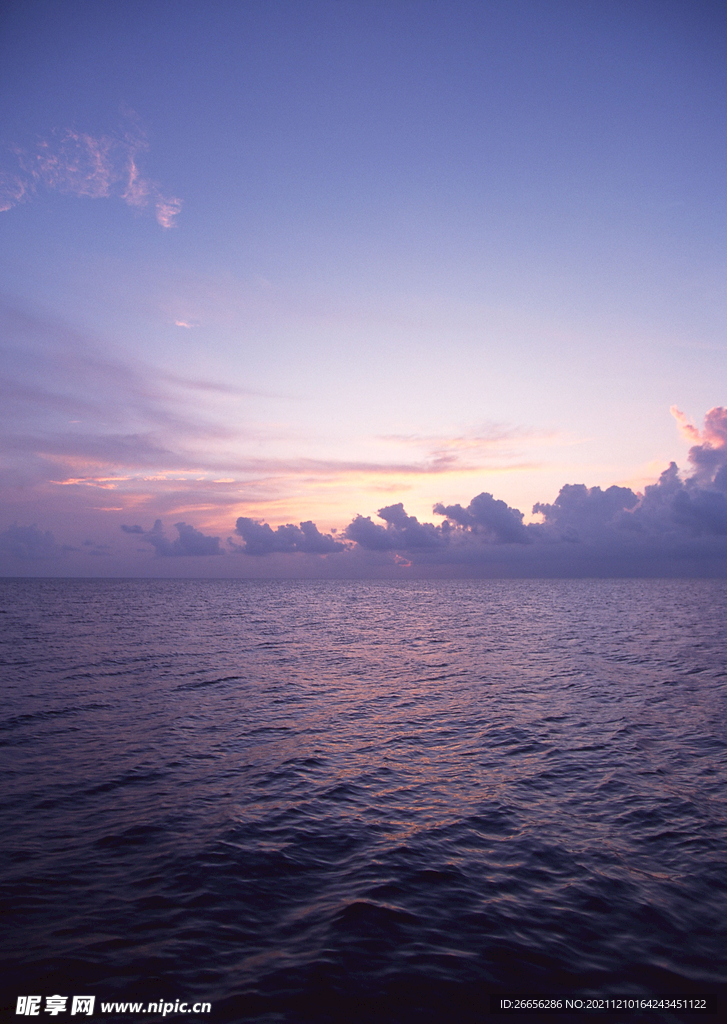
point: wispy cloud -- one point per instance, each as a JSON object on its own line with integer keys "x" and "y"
{"x": 489, "y": 435}
{"x": 471, "y": 451}
{"x": 76, "y": 163}
{"x": 686, "y": 427}
{"x": 74, "y": 414}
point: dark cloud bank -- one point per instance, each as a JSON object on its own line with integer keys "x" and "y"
{"x": 678, "y": 526}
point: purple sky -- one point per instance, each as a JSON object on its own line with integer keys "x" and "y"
{"x": 414, "y": 285}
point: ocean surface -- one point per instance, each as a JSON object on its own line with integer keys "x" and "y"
{"x": 318, "y": 802}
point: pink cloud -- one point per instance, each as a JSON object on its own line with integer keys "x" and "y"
{"x": 709, "y": 455}
{"x": 167, "y": 210}
{"x": 714, "y": 434}
{"x": 715, "y": 427}
{"x": 687, "y": 428}
{"x": 75, "y": 163}
{"x": 12, "y": 191}
{"x": 136, "y": 192}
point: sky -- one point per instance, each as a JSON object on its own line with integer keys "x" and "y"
{"x": 270, "y": 269}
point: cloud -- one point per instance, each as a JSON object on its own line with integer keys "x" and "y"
{"x": 97, "y": 167}
{"x": 401, "y": 533}
{"x": 13, "y": 190}
{"x": 493, "y": 446}
{"x": 677, "y": 526}
{"x": 488, "y": 516}
{"x": 167, "y": 211}
{"x": 486, "y": 520}
{"x": 69, "y": 408}
{"x": 72, "y": 411}
{"x": 582, "y": 513}
{"x": 672, "y": 508}
{"x": 190, "y": 542}
{"x": 686, "y": 427}
{"x": 76, "y": 421}
{"x": 709, "y": 457}
{"x": 28, "y": 542}
{"x": 261, "y": 539}
{"x": 77, "y": 416}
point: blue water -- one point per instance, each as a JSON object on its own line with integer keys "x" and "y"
{"x": 348, "y": 801}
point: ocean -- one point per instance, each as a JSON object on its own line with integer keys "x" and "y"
{"x": 310, "y": 802}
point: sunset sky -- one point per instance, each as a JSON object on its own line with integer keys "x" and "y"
{"x": 291, "y": 262}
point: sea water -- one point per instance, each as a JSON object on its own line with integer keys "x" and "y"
{"x": 316, "y": 801}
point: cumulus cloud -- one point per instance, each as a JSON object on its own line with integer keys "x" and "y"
{"x": 709, "y": 457}
{"x": 402, "y": 532}
{"x": 97, "y": 167}
{"x": 678, "y": 524}
{"x": 56, "y": 385}
{"x": 28, "y": 542}
{"x": 261, "y": 539}
{"x": 486, "y": 521}
{"x": 189, "y": 542}
{"x": 584, "y": 513}
{"x": 672, "y": 508}
{"x": 489, "y": 517}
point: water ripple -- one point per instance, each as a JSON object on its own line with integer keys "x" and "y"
{"x": 317, "y": 802}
